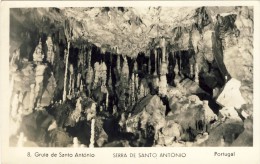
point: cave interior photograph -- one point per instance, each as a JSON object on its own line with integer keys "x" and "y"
{"x": 131, "y": 77}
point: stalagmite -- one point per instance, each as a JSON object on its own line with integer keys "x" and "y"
{"x": 21, "y": 140}
{"x": 75, "y": 142}
{"x": 32, "y": 98}
{"x": 92, "y": 137}
{"x": 81, "y": 86}
{"x": 141, "y": 91}
{"x": 163, "y": 85}
{"x": 39, "y": 76}
{"x": 163, "y": 70}
{"x": 14, "y": 105}
{"x": 16, "y": 56}
{"x": 139, "y": 65}
{"x": 103, "y": 72}
{"x": 11, "y": 86}
{"x": 77, "y": 112}
{"x": 39, "y": 71}
{"x": 191, "y": 70}
{"x": 20, "y": 97}
{"x": 136, "y": 81}
{"x": 66, "y": 52}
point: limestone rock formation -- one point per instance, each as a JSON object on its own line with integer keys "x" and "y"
{"x": 126, "y": 76}
{"x": 149, "y": 111}
{"x": 231, "y": 96}
{"x": 238, "y": 52}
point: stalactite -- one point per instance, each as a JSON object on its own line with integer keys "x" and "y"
{"x": 107, "y": 100}
{"x": 118, "y": 66}
{"x": 133, "y": 89}
{"x": 50, "y": 52}
{"x": 163, "y": 47}
{"x": 89, "y": 79}
{"x": 97, "y": 75}
{"x": 135, "y": 67}
{"x": 196, "y": 73}
{"x": 64, "y": 97}
{"x": 89, "y": 57}
{"x": 103, "y": 72}
{"x": 38, "y": 53}
{"x": 73, "y": 85}
{"x": 71, "y": 79}
{"x": 125, "y": 70}
{"x": 78, "y": 80}
{"x": 155, "y": 61}
{"x": 110, "y": 78}
{"x": 191, "y": 70}
{"x": 70, "y": 83}
{"x": 83, "y": 58}
{"x": 149, "y": 64}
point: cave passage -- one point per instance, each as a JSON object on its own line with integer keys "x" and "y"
{"x": 88, "y": 80}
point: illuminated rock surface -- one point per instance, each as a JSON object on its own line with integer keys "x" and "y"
{"x": 124, "y": 76}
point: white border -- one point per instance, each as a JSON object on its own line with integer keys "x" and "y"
{"x": 105, "y": 155}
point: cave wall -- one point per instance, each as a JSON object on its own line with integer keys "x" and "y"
{"x": 48, "y": 65}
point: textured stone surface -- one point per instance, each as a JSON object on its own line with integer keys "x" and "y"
{"x": 98, "y": 40}
{"x": 149, "y": 111}
{"x": 238, "y": 53}
{"x": 246, "y": 137}
{"x": 231, "y": 96}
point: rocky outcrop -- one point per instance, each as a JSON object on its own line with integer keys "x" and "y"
{"x": 238, "y": 51}
{"x": 149, "y": 111}
{"x": 231, "y": 96}
{"x": 246, "y": 137}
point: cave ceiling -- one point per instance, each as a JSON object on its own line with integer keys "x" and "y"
{"x": 126, "y": 31}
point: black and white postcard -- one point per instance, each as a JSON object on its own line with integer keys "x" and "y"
{"x": 130, "y": 82}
